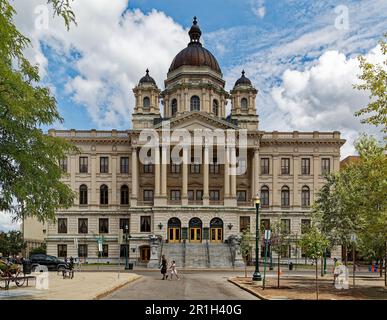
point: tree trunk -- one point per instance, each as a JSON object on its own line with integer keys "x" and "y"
{"x": 346, "y": 256}
{"x": 278, "y": 276}
{"x": 322, "y": 266}
{"x": 245, "y": 269}
{"x": 316, "y": 279}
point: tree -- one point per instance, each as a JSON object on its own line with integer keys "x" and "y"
{"x": 39, "y": 250}
{"x": 245, "y": 246}
{"x": 11, "y": 243}
{"x": 314, "y": 244}
{"x": 30, "y": 174}
{"x": 375, "y": 81}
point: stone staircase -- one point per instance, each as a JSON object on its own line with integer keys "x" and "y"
{"x": 174, "y": 251}
{"x": 196, "y": 255}
{"x": 220, "y": 255}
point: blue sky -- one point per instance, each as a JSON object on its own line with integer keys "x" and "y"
{"x": 299, "y": 54}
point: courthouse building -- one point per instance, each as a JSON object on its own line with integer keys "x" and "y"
{"x": 190, "y": 212}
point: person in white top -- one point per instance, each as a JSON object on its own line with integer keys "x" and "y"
{"x": 173, "y": 270}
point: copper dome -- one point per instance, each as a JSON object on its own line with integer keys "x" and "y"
{"x": 195, "y": 54}
{"x": 243, "y": 80}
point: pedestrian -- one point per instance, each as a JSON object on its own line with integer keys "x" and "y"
{"x": 71, "y": 264}
{"x": 173, "y": 270}
{"x": 164, "y": 264}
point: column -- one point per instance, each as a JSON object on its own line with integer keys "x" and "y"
{"x": 316, "y": 173}
{"x": 276, "y": 194}
{"x": 164, "y": 166}
{"x": 226, "y": 174}
{"x": 114, "y": 181}
{"x": 157, "y": 172}
{"x": 184, "y": 196}
{"x": 252, "y": 183}
{"x": 233, "y": 173}
{"x": 134, "y": 196}
{"x": 205, "y": 177}
{"x": 296, "y": 170}
{"x": 256, "y": 172}
{"x": 93, "y": 191}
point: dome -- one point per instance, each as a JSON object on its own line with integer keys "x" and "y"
{"x": 243, "y": 80}
{"x": 147, "y": 79}
{"x": 195, "y": 54}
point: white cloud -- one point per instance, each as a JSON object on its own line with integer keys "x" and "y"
{"x": 258, "y": 8}
{"x": 115, "y": 45}
{"x": 6, "y": 223}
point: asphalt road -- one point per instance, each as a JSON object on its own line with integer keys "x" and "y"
{"x": 195, "y": 285}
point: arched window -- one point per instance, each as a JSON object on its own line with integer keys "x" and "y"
{"x": 244, "y": 104}
{"x": 124, "y": 195}
{"x": 215, "y": 107}
{"x": 103, "y": 194}
{"x": 146, "y": 103}
{"x": 285, "y": 196}
{"x": 305, "y": 196}
{"x": 195, "y": 103}
{"x": 83, "y": 194}
{"x": 174, "y": 107}
{"x": 265, "y": 196}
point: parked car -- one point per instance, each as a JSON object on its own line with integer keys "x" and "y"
{"x": 51, "y": 262}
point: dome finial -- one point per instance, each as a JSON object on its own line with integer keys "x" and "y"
{"x": 195, "y": 32}
{"x": 243, "y": 72}
{"x": 195, "y": 21}
{"x": 147, "y": 71}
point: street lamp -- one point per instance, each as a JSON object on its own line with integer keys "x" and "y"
{"x": 126, "y": 248}
{"x": 257, "y": 275}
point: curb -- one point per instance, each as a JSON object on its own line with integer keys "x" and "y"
{"x": 248, "y": 290}
{"x": 106, "y": 293}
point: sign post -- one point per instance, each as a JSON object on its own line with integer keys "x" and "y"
{"x": 267, "y": 239}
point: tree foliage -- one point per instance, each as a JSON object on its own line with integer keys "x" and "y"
{"x": 11, "y": 243}
{"x": 30, "y": 174}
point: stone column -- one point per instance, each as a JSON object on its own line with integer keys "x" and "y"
{"x": 256, "y": 172}
{"x": 276, "y": 194}
{"x": 205, "y": 177}
{"x": 226, "y": 174}
{"x": 184, "y": 197}
{"x": 164, "y": 166}
{"x": 134, "y": 196}
{"x": 296, "y": 171}
{"x": 113, "y": 169}
{"x": 157, "y": 174}
{"x": 93, "y": 191}
{"x": 233, "y": 174}
{"x": 316, "y": 173}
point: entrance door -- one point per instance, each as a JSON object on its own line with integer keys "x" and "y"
{"x": 174, "y": 235}
{"x": 195, "y": 235}
{"x": 217, "y": 235}
{"x": 145, "y": 254}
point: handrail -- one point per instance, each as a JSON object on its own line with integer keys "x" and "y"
{"x": 208, "y": 254}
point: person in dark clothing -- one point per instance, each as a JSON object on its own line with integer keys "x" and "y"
{"x": 71, "y": 264}
{"x": 164, "y": 264}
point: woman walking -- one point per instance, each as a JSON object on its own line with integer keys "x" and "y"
{"x": 164, "y": 267}
{"x": 173, "y": 270}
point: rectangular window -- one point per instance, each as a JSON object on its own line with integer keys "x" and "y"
{"x": 104, "y": 164}
{"x": 123, "y": 223}
{"x": 105, "y": 251}
{"x": 265, "y": 196}
{"x": 285, "y": 226}
{"x": 148, "y": 168}
{"x": 305, "y": 225}
{"x": 305, "y": 166}
{"x": 175, "y": 195}
{"x": 199, "y": 195}
{"x": 63, "y": 164}
{"x": 191, "y": 195}
{"x": 265, "y": 224}
{"x": 214, "y": 195}
{"x": 104, "y": 225}
{"x": 145, "y": 223}
{"x": 83, "y": 165}
{"x": 285, "y": 166}
{"x": 82, "y": 225}
{"x": 241, "y": 195}
{"x": 124, "y": 165}
{"x": 195, "y": 168}
{"x": 325, "y": 166}
{"x": 265, "y": 165}
{"x": 244, "y": 222}
{"x": 62, "y": 225}
{"x": 214, "y": 168}
{"x": 82, "y": 250}
{"x": 175, "y": 168}
{"x": 62, "y": 250}
{"x": 148, "y": 195}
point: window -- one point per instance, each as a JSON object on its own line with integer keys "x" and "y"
{"x": 124, "y": 195}
{"x": 195, "y": 103}
{"x": 191, "y": 195}
{"x": 305, "y": 225}
{"x": 83, "y": 166}
{"x": 148, "y": 195}
{"x": 241, "y": 195}
{"x": 123, "y": 223}
{"x": 124, "y": 165}
{"x": 146, "y": 103}
{"x": 325, "y": 166}
{"x": 265, "y": 224}
{"x": 195, "y": 168}
{"x": 82, "y": 225}
{"x": 305, "y": 166}
{"x": 148, "y": 168}
{"x": 124, "y": 250}
{"x": 174, "y": 107}
{"x": 105, "y": 251}
{"x": 244, "y": 104}
{"x": 103, "y": 164}
{"x": 175, "y": 195}
{"x": 62, "y": 250}
{"x": 214, "y": 167}
{"x": 103, "y": 225}
{"x": 199, "y": 195}
{"x": 83, "y": 194}
{"x": 215, "y": 107}
{"x": 265, "y": 196}
{"x": 104, "y": 195}
{"x": 214, "y": 195}
{"x": 62, "y": 225}
{"x": 265, "y": 165}
{"x": 305, "y": 196}
{"x": 82, "y": 250}
{"x": 285, "y": 226}
{"x": 63, "y": 164}
{"x": 175, "y": 168}
{"x": 244, "y": 222}
{"x": 285, "y": 166}
{"x": 285, "y": 197}
{"x": 145, "y": 224}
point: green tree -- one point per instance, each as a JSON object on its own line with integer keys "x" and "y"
{"x": 11, "y": 243}
{"x": 39, "y": 250}
{"x": 29, "y": 159}
{"x": 314, "y": 244}
{"x": 245, "y": 246}
{"x": 375, "y": 81}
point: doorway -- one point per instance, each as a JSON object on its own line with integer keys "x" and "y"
{"x": 216, "y": 230}
{"x": 174, "y": 230}
{"x": 144, "y": 254}
{"x": 195, "y": 230}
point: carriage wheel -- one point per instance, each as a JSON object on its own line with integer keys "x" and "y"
{"x": 20, "y": 279}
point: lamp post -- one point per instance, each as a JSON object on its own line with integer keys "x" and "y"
{"x": 257, "y": 275}
{"x": 126, "y": 248}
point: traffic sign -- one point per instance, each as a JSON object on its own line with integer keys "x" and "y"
{"x": 267, "y": 234}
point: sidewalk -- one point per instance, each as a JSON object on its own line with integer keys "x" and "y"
{"x": 84, "y": 286}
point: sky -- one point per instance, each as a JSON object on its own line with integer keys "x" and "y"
{"x": 301, "y": 55}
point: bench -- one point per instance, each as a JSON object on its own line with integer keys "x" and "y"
{"x": 7, "y": 280}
